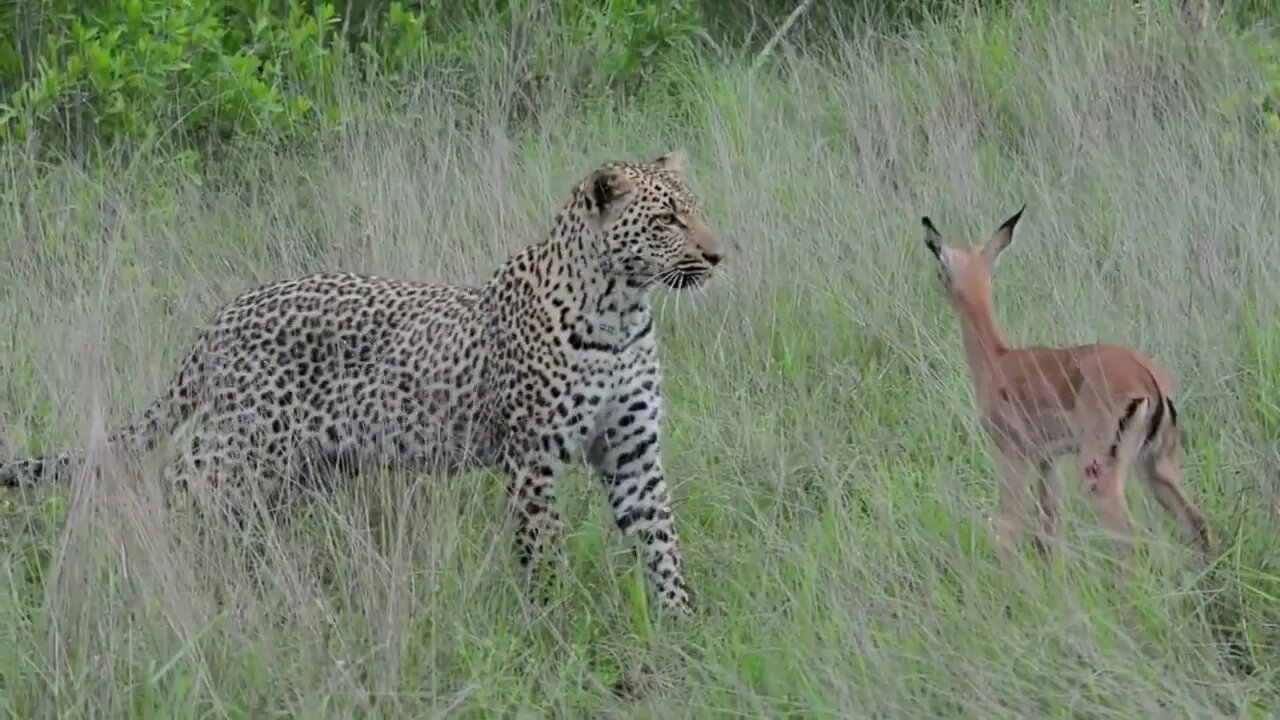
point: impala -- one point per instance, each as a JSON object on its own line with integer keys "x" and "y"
{"x": 1109, "y": 405}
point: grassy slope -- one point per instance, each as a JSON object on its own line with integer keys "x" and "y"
{"x": 832, "y": 491}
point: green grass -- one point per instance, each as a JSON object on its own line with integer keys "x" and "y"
{"x": 832, "y": 489}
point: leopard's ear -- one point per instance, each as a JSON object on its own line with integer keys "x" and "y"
{"x": 608, "y": 190}
{"x": 673, "y": 161}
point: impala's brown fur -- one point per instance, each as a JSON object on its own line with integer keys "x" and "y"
{"x": 1108, "y": 404}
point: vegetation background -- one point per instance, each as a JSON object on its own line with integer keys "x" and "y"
{"x": 833, "y": 491}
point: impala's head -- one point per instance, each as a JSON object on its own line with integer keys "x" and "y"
{"x": 650, "y": 224}
{"x": 966, "y": 271}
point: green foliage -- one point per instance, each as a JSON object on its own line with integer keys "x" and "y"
{"x": 1252, "y": 13}
{"x": 139, "y": 70}
{"x": 1261, "y": 103}
{"x": 628, "y": 36}
{"x": 145, "y": 70}
{"x": 1255, "y": 106}
{"x": 129, "y": 72}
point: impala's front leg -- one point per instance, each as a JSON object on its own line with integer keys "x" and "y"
{"x": 1048, "y": 502}
{"x": 1013, "y": 494}
{"x": 628, "y": 456}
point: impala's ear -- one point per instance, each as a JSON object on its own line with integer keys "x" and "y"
{"x": 673, "y": 161}
{"x": 608, "y": 190}
{"x": 1000, "y": 239}
{"x": 945, "y": 255}
{"x": 932, "y": 238}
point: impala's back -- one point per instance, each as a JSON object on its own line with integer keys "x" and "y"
{"x": 1052, "y": 398}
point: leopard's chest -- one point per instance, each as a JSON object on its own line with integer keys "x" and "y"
{"x": 613, "y": 347}
{"x": 602, "y": 384}
{"x": 595, "y": 381}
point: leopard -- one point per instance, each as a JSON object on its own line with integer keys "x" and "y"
{"x": 552, "y": 360}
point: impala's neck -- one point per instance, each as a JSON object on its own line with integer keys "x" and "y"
{"x": 983, "y": 341}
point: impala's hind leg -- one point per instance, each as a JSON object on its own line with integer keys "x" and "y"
{"x": 1048, "y": 500}
{"x": 1162, "y": 475}
{"x": 1104, "y": 479}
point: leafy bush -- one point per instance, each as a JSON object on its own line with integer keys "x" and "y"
{"x": 139, "y": 69}
{"x": 106, "y": 71}
{"x": 1262, "y": 103}
{"x": 76, "y": 75}
{"x": 628, "y": 36}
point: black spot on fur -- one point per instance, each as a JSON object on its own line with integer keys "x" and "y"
{"x": 1157, "y": 418}
{"x": 1130, "y": 410}
{"x": 577, "y": 342}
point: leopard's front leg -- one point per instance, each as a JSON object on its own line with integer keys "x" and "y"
{"x": 534, "y": 464}
{"x": 628, "y": 455}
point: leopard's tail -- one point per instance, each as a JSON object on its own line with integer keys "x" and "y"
{"x": 159, "y": 420}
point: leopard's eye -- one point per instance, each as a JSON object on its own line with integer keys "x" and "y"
{"x": 668, "y": 219}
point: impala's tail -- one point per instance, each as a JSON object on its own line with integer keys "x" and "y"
{"x": 1137, "y": 426}
{"x": 1141, "y": 424}
{"x": 1162, "y": 418}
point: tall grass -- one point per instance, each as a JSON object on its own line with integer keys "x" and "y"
{"x": 832, "y": 489}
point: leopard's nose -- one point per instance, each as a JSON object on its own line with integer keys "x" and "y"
{"x": 712, "y": 258}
